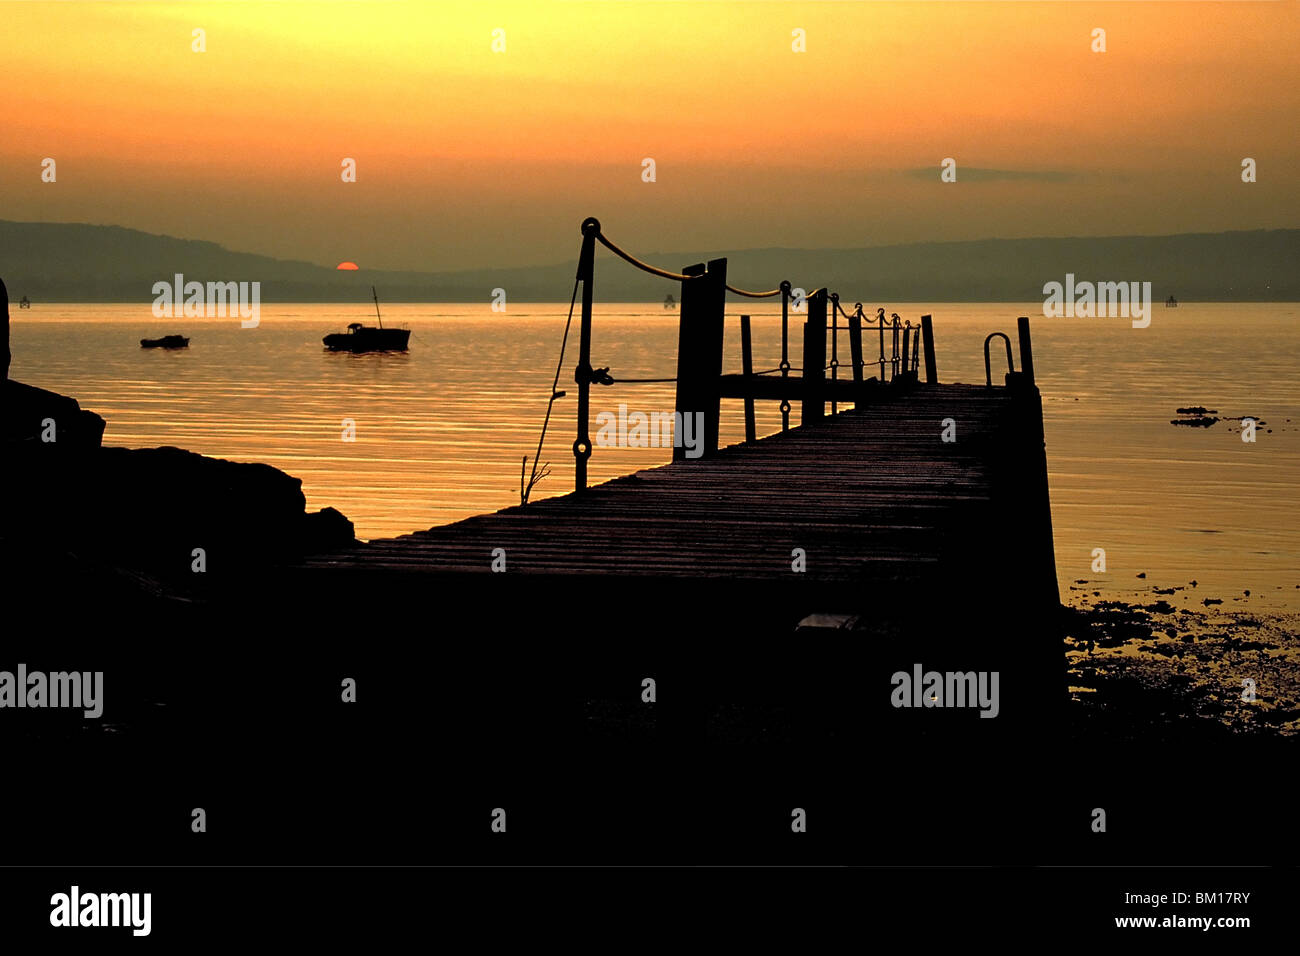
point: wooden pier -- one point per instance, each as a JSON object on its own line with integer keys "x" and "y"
{"x": 860, "y": 505}
{"x": 912, "y": 514}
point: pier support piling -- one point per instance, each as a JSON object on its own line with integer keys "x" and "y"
{"x": 927, "y": 342}
{"x": 855, "y": 348}
{"x": 747, "y": 368}
{"x": 699, "y": 349}
{"x": 1026, "y": 350}
{"x": 814, "y": 358}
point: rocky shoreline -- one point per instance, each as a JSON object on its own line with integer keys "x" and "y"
{"x": 1137, "y": 670}
{"x": 157, "y": 519}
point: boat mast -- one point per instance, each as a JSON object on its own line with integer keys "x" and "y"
{"x": 377, "y": 315}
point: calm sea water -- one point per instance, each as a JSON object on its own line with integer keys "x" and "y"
{"x": 441, "y": 430}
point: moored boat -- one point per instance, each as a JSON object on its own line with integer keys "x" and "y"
{"x": 367, "y": 338}
{"x": 166, "y": 342}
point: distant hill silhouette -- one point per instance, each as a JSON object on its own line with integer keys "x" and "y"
{"x": 75, "y": 262}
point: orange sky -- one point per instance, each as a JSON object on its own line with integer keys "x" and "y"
{"x": 467, "y": 157}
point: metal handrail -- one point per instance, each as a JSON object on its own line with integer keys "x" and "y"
{"x": 988, "y": 367}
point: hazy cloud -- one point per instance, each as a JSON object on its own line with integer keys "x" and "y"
{"x": 977, "y": 175}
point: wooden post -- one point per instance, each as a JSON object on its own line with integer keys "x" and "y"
{"x": 4, "y": 306}
{"x": 893, "y": 361}
{"x": 907, "y": 336}
{"x": 855, "y": 352}
{"x": 814, "y": 359}
{"x": 855, "y": 346}
{"x": 1026, "y": 350}
{"x": 747, "y": 367}
{"x": 715, "y": 331}
{"x": 927, "y": 337}
{"x": 833, "y": 309}
{"x": 699, "y": 351}
{"x": 880, "y": 316}
{"x": 1028, "y": 478}
{"x": 582, "y": 374}
{"x": 785, "y": 354}
{"x": 688, "y": 357}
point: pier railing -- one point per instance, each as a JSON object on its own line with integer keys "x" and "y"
{"x": 701, "y": 384}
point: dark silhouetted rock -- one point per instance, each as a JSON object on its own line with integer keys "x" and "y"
{"x": 325, "y": 530}
{"x": 33, "y": 415}
{"x": 163, "y": 511}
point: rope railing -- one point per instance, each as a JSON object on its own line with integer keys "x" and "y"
{"x": 754, "y": 295}
{"x": 633, "y": 260}
{"x": 675, "y": 276}
{"x": 526, "y": 487}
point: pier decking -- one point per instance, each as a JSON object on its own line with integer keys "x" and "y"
{"x": 873, "y": 497}
{"x": 702, "y": 571}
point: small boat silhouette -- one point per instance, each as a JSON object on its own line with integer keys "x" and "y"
{"x": 366, "y": 338}
{"x": 24, "y": 303}
{"x": 1171, "y": 303}
{"x": 669, "y": 303}
{"x": 166, "y": 342}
